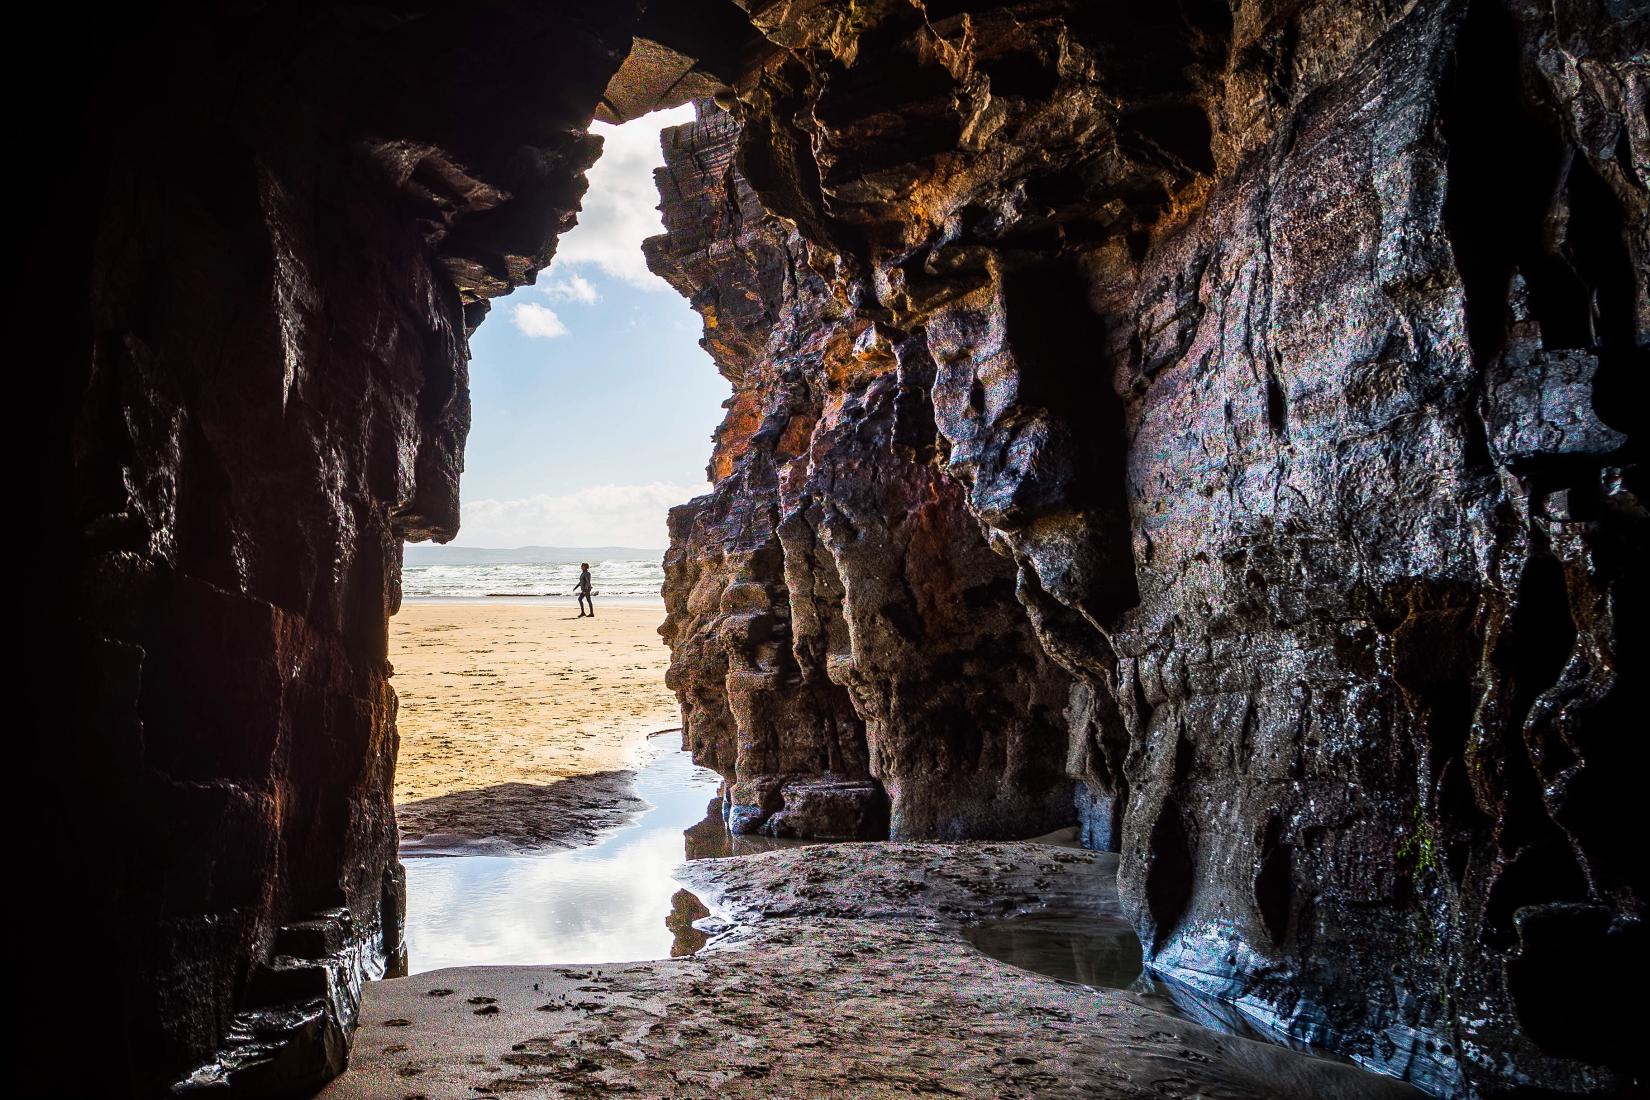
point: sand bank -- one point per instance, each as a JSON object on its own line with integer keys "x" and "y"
{"x": 519, "y": 722}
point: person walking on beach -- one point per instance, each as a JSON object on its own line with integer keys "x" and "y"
{"x": 584, "y": 591}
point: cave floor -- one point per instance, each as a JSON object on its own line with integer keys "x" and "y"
{"x": 840, "y": 970}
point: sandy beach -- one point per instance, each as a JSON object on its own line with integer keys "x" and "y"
{"x": 519, "y": 722}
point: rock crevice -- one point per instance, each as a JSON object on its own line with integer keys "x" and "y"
{"x": 848, "y": 650}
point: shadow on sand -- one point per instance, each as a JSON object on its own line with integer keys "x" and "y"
{"x": 516, "y": 817}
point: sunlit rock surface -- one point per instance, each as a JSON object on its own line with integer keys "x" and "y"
{"x": 835, "y": 612}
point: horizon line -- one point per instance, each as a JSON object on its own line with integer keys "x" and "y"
{"x": 529, "y": 546}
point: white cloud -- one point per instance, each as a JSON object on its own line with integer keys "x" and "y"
{"x": 537, "y": 321}
{"x": 621, "y": 207}
{"x": 599, "y": 515}
{"x": 574, "y": 288}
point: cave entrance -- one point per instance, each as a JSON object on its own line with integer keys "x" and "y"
{"x": 541, "y": 789}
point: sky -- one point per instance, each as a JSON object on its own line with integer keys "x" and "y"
{"x": 593, "y": 404}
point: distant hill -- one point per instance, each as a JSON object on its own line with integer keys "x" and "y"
{"x": 425, "y": 553}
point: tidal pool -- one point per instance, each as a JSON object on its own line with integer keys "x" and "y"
{"x": 1087, "y": 948}
{"x": 1102, "y": 950}
{"x": 612, "y": 901}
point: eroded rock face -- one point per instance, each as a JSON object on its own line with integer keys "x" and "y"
{"x": 1284, "y": 352}
{"x": 839, "y": 627}
{"x": 286, "y": 224}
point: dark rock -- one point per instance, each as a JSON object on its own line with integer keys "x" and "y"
{"x": 269, "y": 230}
{"x": 830, "y": 809}
{"x": 685, "y": 908}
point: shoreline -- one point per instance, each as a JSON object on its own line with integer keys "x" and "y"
{"x": 572, "y": 813}
{"x": 656, "y": 602}
{"x": 859, "y": 1018}
{"x": 520, "y": 818}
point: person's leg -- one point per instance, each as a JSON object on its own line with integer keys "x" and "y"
{"x": 584, "y": 598}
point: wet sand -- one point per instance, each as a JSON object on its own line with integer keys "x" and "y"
{"x": 841, "y": 971}
{"x": 520, "y": 722}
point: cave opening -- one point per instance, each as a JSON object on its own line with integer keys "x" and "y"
{"x": 541, "y": 789}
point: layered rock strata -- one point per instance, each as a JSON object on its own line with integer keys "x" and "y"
{"x": 1284, "y": 351}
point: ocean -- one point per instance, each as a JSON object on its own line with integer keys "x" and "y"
{"x": 614, "y": 579}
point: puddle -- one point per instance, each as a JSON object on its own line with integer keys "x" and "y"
{"x": 1101, "y": 950}
{"x": 1098, "y": 950}
{"x": 615, "y": 900}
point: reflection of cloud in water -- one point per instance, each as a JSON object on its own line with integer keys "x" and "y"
{"x": 606, "y": 903}
{"x": 562, "y": 908}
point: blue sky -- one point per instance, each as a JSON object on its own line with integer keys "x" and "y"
{"x": 593, "y": 403}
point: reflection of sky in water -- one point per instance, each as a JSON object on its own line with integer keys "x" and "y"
{"x": 605, "y": 903}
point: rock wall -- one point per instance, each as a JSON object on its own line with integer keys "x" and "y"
{"x": 285, "y": 221}
{"x": 1284, "y": 351}
{"x": 847, "y": 649}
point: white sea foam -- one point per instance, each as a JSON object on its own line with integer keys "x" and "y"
{"x": 612, "y": 579}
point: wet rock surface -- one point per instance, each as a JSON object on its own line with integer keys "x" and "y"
{"x": 1282, "y": 351}
{"x": 840, "y": 970}
{"x": 519, "y": 817}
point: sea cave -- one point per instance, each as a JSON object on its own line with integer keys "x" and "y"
{"x": 1201, "y": 432}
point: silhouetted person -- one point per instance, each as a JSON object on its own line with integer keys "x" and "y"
{"x": 584, "y": 591}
